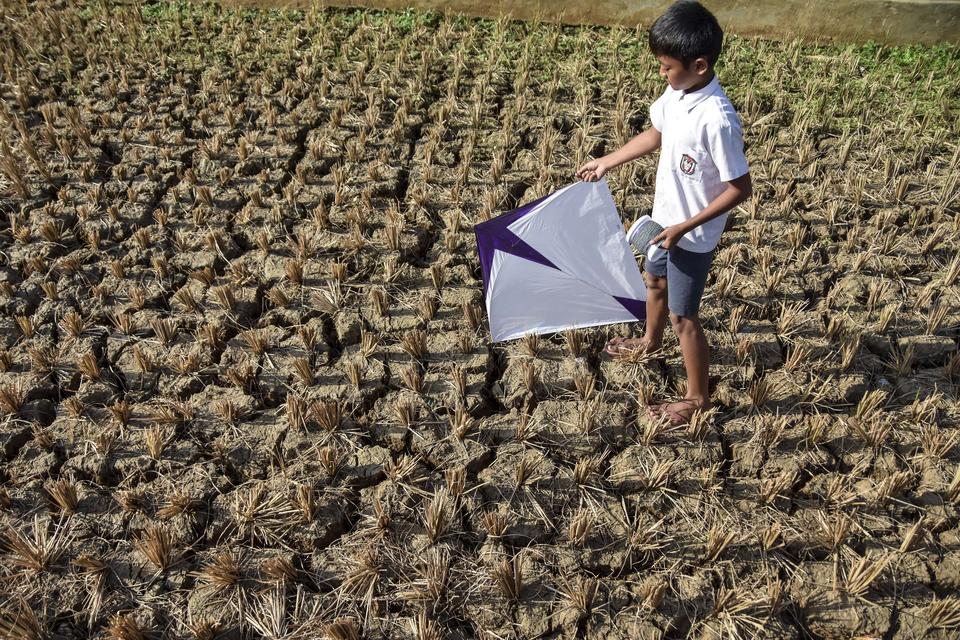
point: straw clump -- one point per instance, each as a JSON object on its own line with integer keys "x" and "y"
{"x": 246, "y": 345}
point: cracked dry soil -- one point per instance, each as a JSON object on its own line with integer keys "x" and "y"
{"x": 247, "y": 389}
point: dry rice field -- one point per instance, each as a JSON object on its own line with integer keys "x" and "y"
{"x": 247, "y": 389}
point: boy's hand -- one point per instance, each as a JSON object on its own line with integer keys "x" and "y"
{"x": 592, "y": 171}
{"x": 670, "y": 236}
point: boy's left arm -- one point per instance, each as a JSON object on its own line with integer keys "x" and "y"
{"x": 724, "y": 141}
{"x": 738, "y": 190}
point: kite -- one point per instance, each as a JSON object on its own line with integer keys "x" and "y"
{"x": 558, "y": 263}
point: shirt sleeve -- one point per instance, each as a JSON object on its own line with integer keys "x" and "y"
{"x": 725, "y": 144}
{"x": 656, "y": 111}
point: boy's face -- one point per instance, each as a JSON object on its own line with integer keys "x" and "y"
{"x": 679, "y": 77}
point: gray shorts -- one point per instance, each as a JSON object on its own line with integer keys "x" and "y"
{"x": 686, "y": 273}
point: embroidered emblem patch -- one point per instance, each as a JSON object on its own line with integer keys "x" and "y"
{"x": 687, "y": 164}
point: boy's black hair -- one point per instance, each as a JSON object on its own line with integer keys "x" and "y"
{"x": 687, "y": 31}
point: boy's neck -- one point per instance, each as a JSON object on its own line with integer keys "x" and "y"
{"x": 707, "y": 79}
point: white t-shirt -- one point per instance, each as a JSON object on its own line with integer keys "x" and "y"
{"x": 701, "y": 149}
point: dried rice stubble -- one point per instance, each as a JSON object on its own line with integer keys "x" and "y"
{"x": 525, "y": 481}
{"x": 451, "y": 441}
{"x": 571, "y": 429}
{"x": 600, "y": 540}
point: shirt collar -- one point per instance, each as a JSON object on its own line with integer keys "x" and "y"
{"x": 690, "y": 99}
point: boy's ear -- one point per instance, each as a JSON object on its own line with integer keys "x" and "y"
{"x": 700, "y": 66}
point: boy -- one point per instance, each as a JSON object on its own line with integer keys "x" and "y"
{"x": 702, "y": 174}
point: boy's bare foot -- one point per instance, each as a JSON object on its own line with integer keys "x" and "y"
{"x": 677, "y": 413}
{"x": 627, "y": 347}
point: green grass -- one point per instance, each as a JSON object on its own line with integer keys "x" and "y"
{"x": 937, "y": 58}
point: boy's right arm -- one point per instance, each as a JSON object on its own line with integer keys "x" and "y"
{"x": 639, "y": 145}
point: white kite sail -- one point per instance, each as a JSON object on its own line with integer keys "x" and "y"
{"x": 557, "y": 263}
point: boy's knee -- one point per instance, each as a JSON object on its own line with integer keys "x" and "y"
{"x": 656, "y": 283}
{"x": 683, "y": 324}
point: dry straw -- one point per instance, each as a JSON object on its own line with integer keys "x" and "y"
{"x": 39, "y": 549}
{"x": 157, "y": 545}
{"x": 944, "y": 613}
{"x": 508, "y": 577}
{"x": 864, "y": 571}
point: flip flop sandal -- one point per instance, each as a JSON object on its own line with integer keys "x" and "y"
{"x": 612, "y": 346}
{"x": 675, "y": 417}
{"x": 655, "y": 411}
{"x": 619, "y": 350}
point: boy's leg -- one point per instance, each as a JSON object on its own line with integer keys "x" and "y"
{"x": 656, "y": 310}
{"x": 696, "y": 358}
{"x": 654, "y": 276}
{"x": 687, "y": 273}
